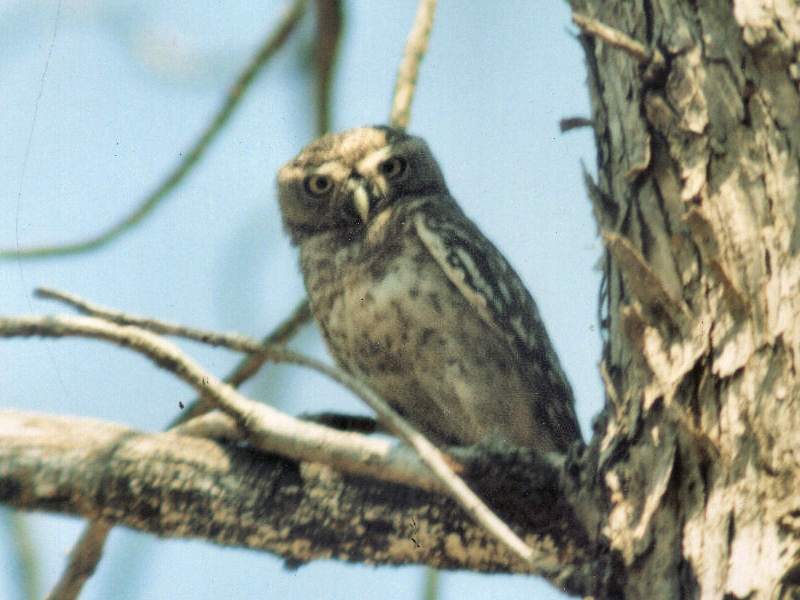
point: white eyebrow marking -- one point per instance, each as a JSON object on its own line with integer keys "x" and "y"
{"x": 369, "y": 164}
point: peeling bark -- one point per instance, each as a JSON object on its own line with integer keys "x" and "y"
{"x": 697, "y": 199}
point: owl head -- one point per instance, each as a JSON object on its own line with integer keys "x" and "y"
{"x": 342, "y": 181}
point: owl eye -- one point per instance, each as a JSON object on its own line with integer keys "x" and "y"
{"x": 318, "y": 185}
{"x": 392, "y": 168}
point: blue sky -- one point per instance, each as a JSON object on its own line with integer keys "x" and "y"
{"x": 99, "y": 101}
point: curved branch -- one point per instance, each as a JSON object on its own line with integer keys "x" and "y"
{"x": 87, "y": 551}
{"x": 266, "y": 428}
{"x": 271, "y": 45}
{"x": 228, "y": 400}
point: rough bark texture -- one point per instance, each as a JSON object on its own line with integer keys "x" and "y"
{"x": 697, "y": 200}
{"x": 180, "y": 486}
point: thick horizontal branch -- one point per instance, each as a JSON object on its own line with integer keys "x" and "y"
{"x": 183, "y": 486}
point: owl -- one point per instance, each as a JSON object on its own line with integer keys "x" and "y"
{"x": 412, "y": 298}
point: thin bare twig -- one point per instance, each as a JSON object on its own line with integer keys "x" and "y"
{"x": 83, "y": 560}
{"x": 329, "y": 29}
{"x": 280, "y": 335}
{"x": 617, "y": 39}
{"x": 285, "y": 331}
{"x": 273, "y": 42}
{"x": 88, "y": 550}
{"x": 570, "y": 123}
{"x": 432, "y": 584}
{"x": 416, "y": 47}
{"x": 248, "y": 367}
{"x": 249, "y": 414}
{"x": 266, "y": 428}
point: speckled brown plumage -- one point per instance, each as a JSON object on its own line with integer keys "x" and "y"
{"x": 410, "y": 296}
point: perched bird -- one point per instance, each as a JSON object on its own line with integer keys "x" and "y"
{"x": 412, "y": 298}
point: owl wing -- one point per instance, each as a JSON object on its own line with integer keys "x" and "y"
{"x": 494, "y": 290}
{"x": 483, "y": 276}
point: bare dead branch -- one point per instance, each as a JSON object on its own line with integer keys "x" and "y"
{"x": 329, "y": 29}
{"x": 416, "y": 47}
{"x": 83, "y": 560}
{"x": 227, "y": 399}
{"x": 191, "y": 157}
{"x": 617, "y": 39}
{"x": 267, "y": 429}
{"x": 183, "y": 486}
{"x": 570, "y": 123}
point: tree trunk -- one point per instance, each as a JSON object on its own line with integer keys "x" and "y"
{"x": 697, "y": 201}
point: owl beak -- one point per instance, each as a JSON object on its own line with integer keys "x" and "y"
{"x": 361, "y": 202}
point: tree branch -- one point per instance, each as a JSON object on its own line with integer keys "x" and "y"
{"x": 88, "y": 550}
{"x": 416, "y": 47}
{"x": 271, "y": 44}
{"x": 329, "y": 29}
{"x": 266, "y": 428}
{"x": 214, "y": 390}
{"x": 83, "y": 560}
{"x": 182, "y": 486}
{"x": 616, "y": 39}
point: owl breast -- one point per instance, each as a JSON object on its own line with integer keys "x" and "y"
{"x": 390, "y": 315}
